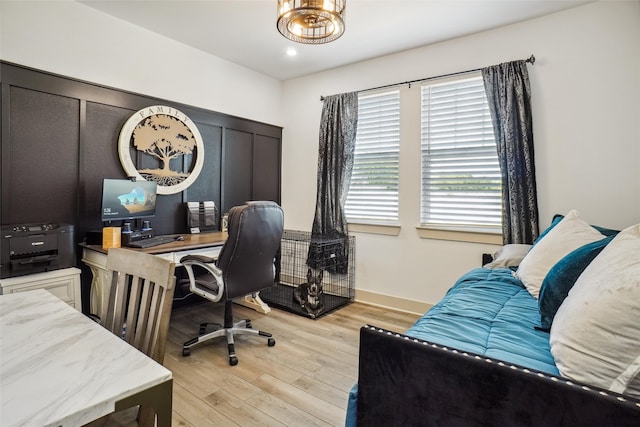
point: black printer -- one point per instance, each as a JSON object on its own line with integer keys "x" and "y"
{"x": 34, "y": 248}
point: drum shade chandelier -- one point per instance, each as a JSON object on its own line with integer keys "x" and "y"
{"x": 311, "y": 21}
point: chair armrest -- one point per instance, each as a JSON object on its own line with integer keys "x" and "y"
{"x": 208, "y": 264}
{"x": 197, "y": 259}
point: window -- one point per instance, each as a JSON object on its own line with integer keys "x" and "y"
{"x": 373, "y": 192}
{"x": 461, "y": 184}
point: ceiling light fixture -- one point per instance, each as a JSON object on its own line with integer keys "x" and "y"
{"x": 311, "y": 21}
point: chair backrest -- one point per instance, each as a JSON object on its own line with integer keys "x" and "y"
{"x": 247, "y": 257}
{"x": 140, "y": 299}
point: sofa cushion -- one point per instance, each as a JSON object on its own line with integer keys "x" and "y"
{"x": 557, "y": 218}
{"x": 490, "y": 313}
{"x": 561, "y": 278}
{"x": 569, "y": 234}
{"x": 594, "y": 336}
{"x": 509, "y": 256}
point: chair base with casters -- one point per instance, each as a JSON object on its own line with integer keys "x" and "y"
{"x": 242, "y": 327}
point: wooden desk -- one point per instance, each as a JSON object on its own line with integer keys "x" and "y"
{"x": 59, "y": 368}
{"x": 208, "y": 244}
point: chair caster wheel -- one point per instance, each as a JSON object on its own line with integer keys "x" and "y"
{"x": 186, "y": 352}
{"x": 233, "y": 360}
{"x": 271, "y": 342}
{"x": 248, "y": 325}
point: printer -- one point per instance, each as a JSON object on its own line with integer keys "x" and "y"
{"x": 34, "y": 248}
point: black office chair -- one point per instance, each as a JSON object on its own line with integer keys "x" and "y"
{"x": 245, "y": 265}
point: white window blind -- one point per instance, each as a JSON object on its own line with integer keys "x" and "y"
{"x": 461, "y": 185}
{"x": 373, "y": 192}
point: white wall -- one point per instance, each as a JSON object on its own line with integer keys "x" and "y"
{"x": 74, "y": 40}
{"x": 586, "y": 111}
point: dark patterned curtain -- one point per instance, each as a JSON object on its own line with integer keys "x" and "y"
{"x": 509, "y": 95}
{"x": 335, "y": 162}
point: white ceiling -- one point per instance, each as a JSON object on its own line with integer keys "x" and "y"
{"x": 244, "y": 31}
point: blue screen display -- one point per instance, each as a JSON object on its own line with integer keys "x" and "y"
{"x": 124, "y": 199}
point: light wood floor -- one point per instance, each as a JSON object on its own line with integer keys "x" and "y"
{"x": 303, "y": 380}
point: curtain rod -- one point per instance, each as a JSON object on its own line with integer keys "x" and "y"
{"x": 531, "y": 60}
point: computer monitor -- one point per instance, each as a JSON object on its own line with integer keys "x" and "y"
{"x": 123, "y": 199}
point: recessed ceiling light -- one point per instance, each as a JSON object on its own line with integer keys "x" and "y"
{"x": 291, "y": 51}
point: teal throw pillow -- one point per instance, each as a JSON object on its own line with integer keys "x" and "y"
{"x": 560, "y": 279}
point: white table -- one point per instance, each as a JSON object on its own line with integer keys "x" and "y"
{"x": 59, "y": 368}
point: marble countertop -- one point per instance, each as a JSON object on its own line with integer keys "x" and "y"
{"x": 59, "y": 368}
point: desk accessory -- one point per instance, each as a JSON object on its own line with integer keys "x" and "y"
{"x": 111, "y": 237}
{"x": 202, "y": 217}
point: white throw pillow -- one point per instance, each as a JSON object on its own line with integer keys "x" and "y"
{"x": 595, "y": 335}
{"x": 569, "y": 234}
{"x": 510, "y": 255}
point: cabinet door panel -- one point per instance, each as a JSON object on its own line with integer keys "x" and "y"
{"x": 237, "y": 168}
{"x": 207, "y": 186}
{"x": 100, "y": 158}
{"x": 43, "y": 153}
{"x": 266, "y": 168}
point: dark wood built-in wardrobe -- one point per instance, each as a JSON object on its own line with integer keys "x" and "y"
{"x": 60, "y": 140}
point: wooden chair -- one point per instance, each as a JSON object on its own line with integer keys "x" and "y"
{"x": 140, "y": 299}
{"x": 139, "y": 310}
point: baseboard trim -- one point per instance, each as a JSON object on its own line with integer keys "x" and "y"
{"x": 395, "y": 303}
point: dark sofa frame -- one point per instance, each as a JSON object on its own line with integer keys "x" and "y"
{"x": 404, "y": 381}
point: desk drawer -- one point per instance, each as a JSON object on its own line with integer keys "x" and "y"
{"x": 169, "y": 256}
{"x": 212, "y": 252}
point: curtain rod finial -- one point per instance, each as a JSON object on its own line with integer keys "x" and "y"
{"x": 532, "y": 60}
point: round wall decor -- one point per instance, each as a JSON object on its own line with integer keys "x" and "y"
{"x": 167, "y": 146}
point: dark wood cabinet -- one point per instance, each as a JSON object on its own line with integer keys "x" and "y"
{"x": 40, "y": 174}
{"x": 266, "y": 167}
{"x": 251, "y": 168}
{"x": 60, "y": 140}
{"x": 237, "y": 168}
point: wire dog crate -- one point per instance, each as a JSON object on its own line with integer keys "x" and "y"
{"x": 317, "y": 275}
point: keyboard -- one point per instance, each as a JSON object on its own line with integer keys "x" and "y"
{"x": 153, "y": 241}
